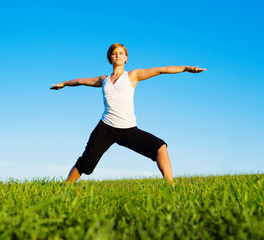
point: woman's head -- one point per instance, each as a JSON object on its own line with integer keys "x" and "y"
{"x": 116, "y": 51}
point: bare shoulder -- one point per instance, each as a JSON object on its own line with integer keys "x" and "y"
{"x": 93, "y": 82}
{"x": 143, "y": 74}
{"x": 133, "y": 77}
{"x": 102, "y": 78}
{"x": 133, "y": 73}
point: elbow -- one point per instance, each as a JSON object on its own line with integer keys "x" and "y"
{"x": 80, "y": 81}
{"x": 162, "y": 70}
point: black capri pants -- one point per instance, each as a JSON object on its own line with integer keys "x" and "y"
{"x": 103, "y": 136}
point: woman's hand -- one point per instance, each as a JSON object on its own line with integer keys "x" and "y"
{"x": 194, "y": 69}
{"x": 57, "y": 86}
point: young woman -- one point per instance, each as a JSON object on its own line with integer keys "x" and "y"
{"x": 118, "y": 122}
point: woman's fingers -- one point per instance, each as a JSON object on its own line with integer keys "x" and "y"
{"x": 56, "y": 86}
{"x": 197, "y": 70}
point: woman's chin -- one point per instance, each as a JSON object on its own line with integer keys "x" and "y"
{"x": 118, "y": 64}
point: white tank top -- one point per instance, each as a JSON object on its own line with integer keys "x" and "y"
{"x": 119, "y": 102}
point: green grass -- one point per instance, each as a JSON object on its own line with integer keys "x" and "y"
{"x": 214, "y": 207}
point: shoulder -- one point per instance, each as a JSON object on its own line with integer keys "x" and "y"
{"x": 133, "y": 77}
{"x": 102, "y": 78}
{"x": 96, "y": 82}
{"x": 133, "y": 74}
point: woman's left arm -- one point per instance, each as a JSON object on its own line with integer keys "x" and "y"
{"x": 143, "y": 74}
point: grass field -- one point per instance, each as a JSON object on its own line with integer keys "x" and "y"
{"x": 214, "y": 207}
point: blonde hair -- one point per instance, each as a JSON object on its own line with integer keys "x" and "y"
{"x": 112, "y": 48}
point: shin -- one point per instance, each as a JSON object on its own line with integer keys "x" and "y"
{"x": 163, "y": 162}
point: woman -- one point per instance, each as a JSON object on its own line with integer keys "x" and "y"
{"x": 118, "y": 122}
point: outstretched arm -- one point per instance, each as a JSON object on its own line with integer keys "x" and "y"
{"x": 142, "y": 74}
{"x": 93, "y": 82}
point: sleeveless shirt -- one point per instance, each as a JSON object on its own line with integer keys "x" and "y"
{"x": 119, "y": 102}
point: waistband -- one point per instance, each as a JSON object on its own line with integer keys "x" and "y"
{"x": 103, "y": 124}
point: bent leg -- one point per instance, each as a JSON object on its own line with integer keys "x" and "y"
{"x": 163, "y": 162}
{"x": 148, "y": 145}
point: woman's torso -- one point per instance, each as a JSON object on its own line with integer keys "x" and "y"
{"x": 119, "y": 102}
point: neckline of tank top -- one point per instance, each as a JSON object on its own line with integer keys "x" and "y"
{"x": 116, "y": 79}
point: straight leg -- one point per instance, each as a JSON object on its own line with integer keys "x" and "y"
{"x": 100, "y": 140}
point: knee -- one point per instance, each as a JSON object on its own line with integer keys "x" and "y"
{"x": 88, "y": 171}
{"x": 84, "y": 166}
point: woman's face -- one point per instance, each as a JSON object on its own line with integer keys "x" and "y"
{"x": 118, "y": 56}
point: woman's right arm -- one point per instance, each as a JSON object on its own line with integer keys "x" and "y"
{"x": 93, "y": 82}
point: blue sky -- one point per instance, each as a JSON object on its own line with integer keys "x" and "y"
{"x": 212, "y": 121}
